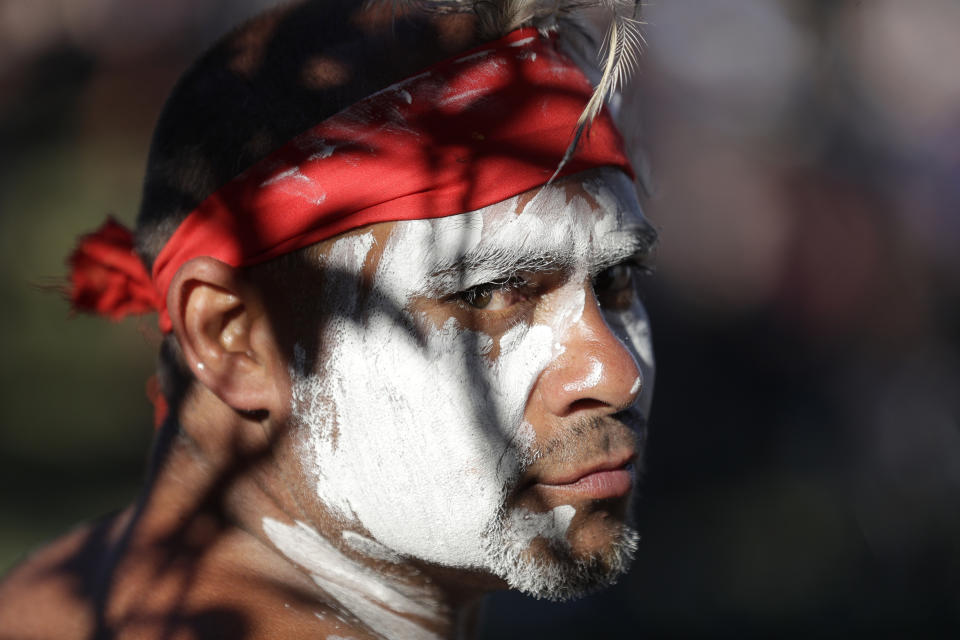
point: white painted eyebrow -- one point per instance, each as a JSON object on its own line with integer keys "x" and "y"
{"x": 496, "y": 262}
{"x": 634, "y": 242}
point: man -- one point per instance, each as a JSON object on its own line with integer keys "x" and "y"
{"x": 405, "y": 363}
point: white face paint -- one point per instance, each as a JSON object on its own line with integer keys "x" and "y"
{"x": 413, "y": 432}
{"x": 384, "y": 605}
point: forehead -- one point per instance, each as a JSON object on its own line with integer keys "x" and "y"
{"x": 579, "y": 223}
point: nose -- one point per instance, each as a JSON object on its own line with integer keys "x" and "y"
{"x": 595, "y": 370}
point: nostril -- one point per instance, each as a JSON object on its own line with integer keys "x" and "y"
{"x": 585, "y": 404}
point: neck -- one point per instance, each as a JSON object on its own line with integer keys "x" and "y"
{"x": 389, "y": 597}
{"x": 248, "y": 519}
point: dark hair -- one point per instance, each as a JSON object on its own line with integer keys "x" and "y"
{"x": 259, "y": 86}
{"x": 271, "y": 79}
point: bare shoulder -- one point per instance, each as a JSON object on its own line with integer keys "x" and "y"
{"x": 78, "y": 587}
{"x": 83, "y": 585}
{"x": 52, "y": 592}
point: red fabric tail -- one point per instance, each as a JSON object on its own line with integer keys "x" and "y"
{"x": 106, "y": 276}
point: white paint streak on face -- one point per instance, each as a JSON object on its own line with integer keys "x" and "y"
{"x": 589, "y": 381}
{"x": 636, "y": 385}
{"x": 634, "y": 328}
{"x": 346, "y": 256}
{"x": 524, "y": 526}
{"x": 632, "y": 325}
{"x": 373, "y": 598}
{"x": 370, "y": 548}
{"x": 570, "y": 310}
{"x": 524, "y": 440}
{"x": 416, "y": 434}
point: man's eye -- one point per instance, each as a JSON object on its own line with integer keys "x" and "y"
{"x": 616, "y": 278}
{"x": 495, "y": 296}
{"x": 614, "y": 287}
{"x": 478, "y": 297}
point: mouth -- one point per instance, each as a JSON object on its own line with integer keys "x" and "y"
{"x": 610, "y": 478}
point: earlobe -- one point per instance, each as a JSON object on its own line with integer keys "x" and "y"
{"x": 225, "y": 335}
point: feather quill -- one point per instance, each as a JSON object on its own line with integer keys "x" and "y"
{"x": 618, "y": 56}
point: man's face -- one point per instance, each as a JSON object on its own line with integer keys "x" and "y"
{"x": 481, "y": 386}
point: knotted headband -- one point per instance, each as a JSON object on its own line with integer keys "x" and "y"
{"x": 463, "y": 134}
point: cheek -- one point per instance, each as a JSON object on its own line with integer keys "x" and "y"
{"x": 399, "y": 424}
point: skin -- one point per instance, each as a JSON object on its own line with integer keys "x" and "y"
{"x": 192, "y": 558}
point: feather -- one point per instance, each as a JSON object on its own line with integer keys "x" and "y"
{"x": 618, "y": 52}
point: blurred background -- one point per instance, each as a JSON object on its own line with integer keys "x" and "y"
{"x": 804, "y": 461}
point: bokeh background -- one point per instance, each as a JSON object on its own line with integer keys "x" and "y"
{"x": 804, "y": 159}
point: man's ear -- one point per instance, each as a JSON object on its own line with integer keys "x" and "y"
{"x": 224, "y": 332}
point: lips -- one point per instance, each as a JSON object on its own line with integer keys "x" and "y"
{"x": 588, "y": 459}
{"x": 610, "y": 478}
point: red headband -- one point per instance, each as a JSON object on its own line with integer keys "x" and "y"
{"x": 464, "y": 134}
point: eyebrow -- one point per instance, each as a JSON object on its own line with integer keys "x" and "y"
{"x": 493, "y": 262}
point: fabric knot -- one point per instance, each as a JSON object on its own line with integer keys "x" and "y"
{"x": 108, "y": 278}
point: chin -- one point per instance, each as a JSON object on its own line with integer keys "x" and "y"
{"x": 592, "y": 555}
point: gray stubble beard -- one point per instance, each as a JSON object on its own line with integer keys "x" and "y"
{"x": 556, "y": 573}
